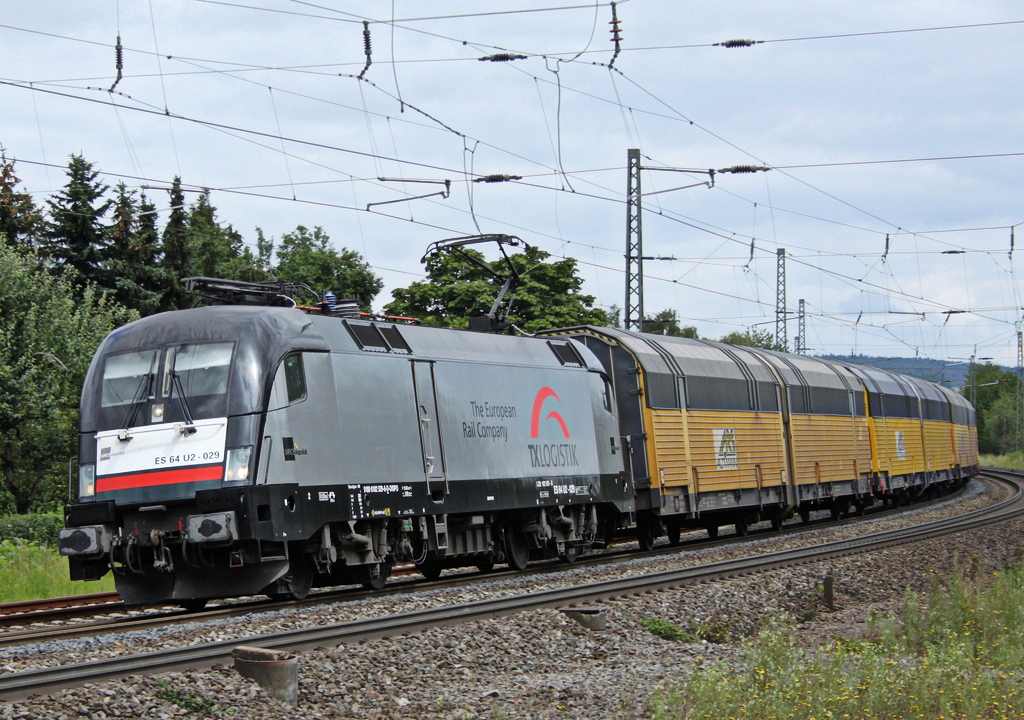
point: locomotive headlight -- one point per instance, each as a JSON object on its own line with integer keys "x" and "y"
{"x": 237, "y": 466}
{"x": 86, "y": 482}
{"x": 156, "y": 415}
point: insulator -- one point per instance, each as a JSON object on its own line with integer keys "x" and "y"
{"x": 498, "y": 178}
{"x": 743, "y": 169}
{"x": 502, "y": 57}
{"x": 738, "y": 43}
{"x": 119, "y": 54}
{"x": 366, "y": 38}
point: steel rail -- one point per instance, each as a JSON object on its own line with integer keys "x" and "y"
{"x": 159, "y": 615}
{"x": 23, "y": 684}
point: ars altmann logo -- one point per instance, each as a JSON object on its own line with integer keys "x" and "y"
{"x": 545, "y": 455}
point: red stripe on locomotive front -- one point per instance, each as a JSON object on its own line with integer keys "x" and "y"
{"x": 160, "y": 477}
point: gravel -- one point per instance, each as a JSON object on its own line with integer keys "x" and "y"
{"x": 536, "y": 664}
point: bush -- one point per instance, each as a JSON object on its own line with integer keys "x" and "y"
{"x": 40, "y": 528}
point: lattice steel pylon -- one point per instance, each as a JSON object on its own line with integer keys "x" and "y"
{"x": 1019, "y": 414}
{"x": 781, "y": 339}
{"x": 800, "y": 343}
{"x": 634, "y": 311}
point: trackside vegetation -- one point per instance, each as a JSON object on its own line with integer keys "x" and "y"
{"x": 29, "y": 572}
{"x": 956, "y": 652}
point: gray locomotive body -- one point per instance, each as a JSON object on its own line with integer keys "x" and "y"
{"x": 231, "y": 450}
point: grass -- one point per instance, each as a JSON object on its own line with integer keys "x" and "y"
{"x": 33, "y": 572}
{"x": 1011, "y": 461}
{"x": 956, "y": 653}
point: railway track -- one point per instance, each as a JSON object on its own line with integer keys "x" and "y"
{"x": 35, "y": 621}
{"x": 22, "y": 684}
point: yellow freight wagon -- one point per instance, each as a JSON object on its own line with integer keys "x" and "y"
{"x": 715, "y": 434}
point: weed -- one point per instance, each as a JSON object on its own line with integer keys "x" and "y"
{"x": 666, "y": 630}
{"x": 187, "y": 699}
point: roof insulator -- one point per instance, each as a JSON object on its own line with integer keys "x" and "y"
{"x": 502, "y": 57}
{"x": 738, "y": 43}
{"x": 498, "y": 178}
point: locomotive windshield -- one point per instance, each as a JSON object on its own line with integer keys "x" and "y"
{"x": 178, "y": 383}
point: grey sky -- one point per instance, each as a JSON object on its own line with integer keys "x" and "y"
{"x": 832, "y": 83}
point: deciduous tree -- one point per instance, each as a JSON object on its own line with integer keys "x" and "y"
{"x": 456, "y": 291}
{"x": 50, "y": 328}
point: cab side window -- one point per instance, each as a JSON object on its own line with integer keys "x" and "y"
{"x": 294, "y": 378}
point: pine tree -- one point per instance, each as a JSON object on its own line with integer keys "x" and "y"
{"x": 133, "y": 252}
{"x": 75, "y": 235}
{"x": 20, "y": 219}
{"x": 177, "y": 261}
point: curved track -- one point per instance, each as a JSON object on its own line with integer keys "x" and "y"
{"x": 19, "y": 685}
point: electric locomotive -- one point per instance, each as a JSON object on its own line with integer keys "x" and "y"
{"x": 243, "y": 448}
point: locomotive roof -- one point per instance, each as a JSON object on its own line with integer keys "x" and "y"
{"x": 271, "y": 332}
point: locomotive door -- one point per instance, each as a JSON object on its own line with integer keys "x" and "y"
{"x": 431, "y": 445}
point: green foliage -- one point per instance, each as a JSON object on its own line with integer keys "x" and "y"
{"x": 20, "y": 219}
{"x": 186, "y": 699}
{"x": 957, "y": 654}
{"x": 666, "y": 630}
{"x": 993, "y": 392}
{"x": 456, "y": 291}
{"x": 754, "y": 338}
{"x": 36, "y": 528}
{"x": 307, "y": 257}
{"x": 48, "y": 334}
{"x": 75, "y": 235}
{"x": 137, "y": 280}
{"x": 667, "y": 323}
{"x": 33, "y": 572}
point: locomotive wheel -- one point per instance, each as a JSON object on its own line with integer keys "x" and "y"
{"x": 485, "y": 566}
{"x": 376, "y": 583}
{"x": 430, "y": 569}
{"x": 293, "y": 586}
{"x": 569, "y": 554}
{"x": 193, "y": 604}
{"x": 517, "y": 552}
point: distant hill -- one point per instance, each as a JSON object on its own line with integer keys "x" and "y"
{"x": 937, "y": 371}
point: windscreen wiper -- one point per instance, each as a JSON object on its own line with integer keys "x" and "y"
{"x": 190, "y": 424}
{"x": 141, "y": 393}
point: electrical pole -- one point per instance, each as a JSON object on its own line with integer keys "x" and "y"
{"x": 800, "y": 344}
{"x": 1019, "y": 414}
{"x": 781, "y": 340}
{"x": 634, "y": 311}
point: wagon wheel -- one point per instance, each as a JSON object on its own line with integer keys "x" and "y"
{"x": 517, "y": 552}
{"x": 673, "y": 533}
{"x": 742, "y": 527}
{"x": 712, "y": 531}
{"x": 646, "y": 532}
{"x": 430, "y": 569}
